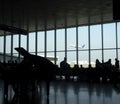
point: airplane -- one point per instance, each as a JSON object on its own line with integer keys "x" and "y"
{"x": 74, "y": 46}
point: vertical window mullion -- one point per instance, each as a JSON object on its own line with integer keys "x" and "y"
{"x": 36, "y": 36}
{"x": 36, "y": 33}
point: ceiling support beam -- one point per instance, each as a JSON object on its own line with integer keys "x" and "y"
{"x": 13, "y": 29}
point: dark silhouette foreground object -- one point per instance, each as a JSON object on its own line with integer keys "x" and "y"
{"x": 44, "y": 67}
{"x": 33, "y": 68}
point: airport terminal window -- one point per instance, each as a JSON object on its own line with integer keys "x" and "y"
{"x": 96, "y": 54}
{"x": 24, "y": 41}
{"x": 119, "y": 54}
{"x": 71, "y": 44}
{"x": 118, "y": 33}
{"x": 50, "y": 44}
{"x": 83, "y": 58}
{"x": 15, "y": 43}
{"x": 32, "y": 42}
{"x": 95, "y": 37}
{"x": 50, "y": 40}
{"x": 60, "y": 56}
{"x": 83, "y": 40}
{"x": 71, "y": 39}
{"x": 40, "y": 43}
{"x": 71, "y": 57}
{"x": 119, "y": 40}
{"x": 50, "y": 55}
{"x": 1, "y": 47}
{"x": 109, "y": 42}
{"x": 1, "y": 44}
{"x": 109, "y": 54}
{"x": 109, "y": 35}
{"x": 8, "y": 44}
{"x": 61, "y": 40}
{"x": 83, "y": 36}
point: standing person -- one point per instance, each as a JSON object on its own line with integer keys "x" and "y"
{"x": 116, "y": 63}
{"x": 65, "y": 68}
{"x": 64, "y": 64}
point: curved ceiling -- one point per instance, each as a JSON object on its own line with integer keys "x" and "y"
{"x": 43, "y": 15}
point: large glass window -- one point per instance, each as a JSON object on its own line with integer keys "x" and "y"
{"x": 41, "y": 43}
{"x": 1, "y": 44}
{"x": 109, "y": 43}
{"x": 50, "y": 40}
{"x": 109, "y": 54}
{"x": 24, "y": 41}
{"x": 95, "y": 54}
{"x": 71, "y": 38}
{"x": 32, "y": 42}
{"x": 60, "y": 39}
{"x": 71, "y": 44}
{"x": 60, "y": 45}
{"x": 95, "y": 36}
{"x": 50, "y": 45}
{"x": 83, "y": 41}
{"x": 119, "y": 41}
{"x": 1, "y": 49}
{"x": 109, "y": 35}
{"x": 83, "y": 58}
{"x": 60, "y": 57}
{"x": 71, "y": 58}
{"x": 83, "y": 37}
{"x": 119, "y": 55}
{"x": 15, "y": 43}
{"x": 8, "y": 44}
{"x": 50, "y": 56}
{"x": 118, "y": 32}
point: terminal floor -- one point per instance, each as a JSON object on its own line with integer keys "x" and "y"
{"x": 66, "y": 92}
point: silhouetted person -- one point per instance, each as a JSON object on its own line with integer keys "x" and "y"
{"x": 65, "y": 67}
{"x": 2, "y": 69}
{"x": 115, "y": 73}
{"x": 75, "y": 71}
{"x": 116, "y": 63}
{"x": 106, "y": 74}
